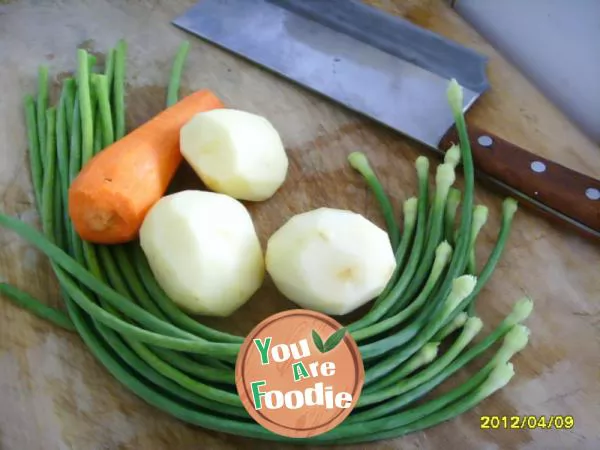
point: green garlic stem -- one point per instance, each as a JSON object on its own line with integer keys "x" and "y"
{"x": 174, "y": 81}
{"x": 410, "y": 220}
{"x": 451, "y": 327}
{"x": 442, "y": 257}
{"x": 394, "y": 384}
{"x": 452, "y": 155}
{"x": 360, "y": 163}
{"x": 383, "y": 304}
{"x": 119, "y": 89}
{"x": 450, "y": 214}
{"x": 41, "y": 107}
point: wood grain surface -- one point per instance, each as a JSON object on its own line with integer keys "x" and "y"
{"x": 54, "y": 395}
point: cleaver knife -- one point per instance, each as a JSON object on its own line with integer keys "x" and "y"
{"x": 395, "y": 73}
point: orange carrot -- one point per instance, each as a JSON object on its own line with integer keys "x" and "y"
{"x": 110, "y": 197}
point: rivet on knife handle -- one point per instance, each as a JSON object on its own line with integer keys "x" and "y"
{"x": 571, "y": 193}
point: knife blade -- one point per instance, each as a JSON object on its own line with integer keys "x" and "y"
{"x": 395, "y": 73}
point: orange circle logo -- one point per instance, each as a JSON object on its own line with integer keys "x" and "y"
{"x": 299, "y": 373}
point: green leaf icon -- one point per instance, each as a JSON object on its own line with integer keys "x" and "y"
{"x": 331, "y": 343}
{"x": 318, "y": 341}
{"x": 333, "y": 340}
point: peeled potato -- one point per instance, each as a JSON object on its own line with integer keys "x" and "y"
{"x": 203, "y": 250}
{"x": 330, "y": 260}
{"x": 235, "y": 153}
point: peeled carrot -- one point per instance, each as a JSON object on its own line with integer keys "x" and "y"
{"x": 110, "y": 197}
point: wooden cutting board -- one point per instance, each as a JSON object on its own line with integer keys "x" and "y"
{"x": 54, "y": 395}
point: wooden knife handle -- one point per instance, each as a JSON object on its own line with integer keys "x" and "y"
{"x": 571, "y": 193}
